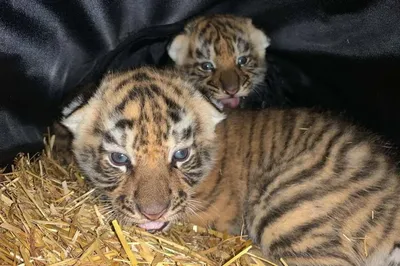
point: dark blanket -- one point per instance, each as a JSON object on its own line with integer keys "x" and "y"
{"x": 336, "y": 54}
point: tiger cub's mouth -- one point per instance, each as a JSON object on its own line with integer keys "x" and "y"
{"x": 154, "y": 226}
{"x": 230, "y": 103}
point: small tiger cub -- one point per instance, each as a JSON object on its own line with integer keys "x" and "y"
{"x": 223, "y": 55}
{"x": 308, "y": 187}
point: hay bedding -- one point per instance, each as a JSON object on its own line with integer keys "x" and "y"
{"x": 48, "y": 216}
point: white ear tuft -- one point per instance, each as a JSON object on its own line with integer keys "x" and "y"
{"x": 260, "y": 40}
{"x": 178, "y": 48}
{"x": 73, "y": 115}
{"x": 73, "y": 121}
{"x": 72, "y": 106}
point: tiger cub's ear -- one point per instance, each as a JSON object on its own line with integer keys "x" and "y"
{"x": 73, "y": 115}
{"x": 178, "y": 48}
{"x": 72, "y": 121}
{"x": 258, "y": 38}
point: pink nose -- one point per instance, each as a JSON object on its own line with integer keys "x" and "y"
{"x": 154, "y": 216}
{"x": 231, "y": 90}
{"x": 153, "y": 212}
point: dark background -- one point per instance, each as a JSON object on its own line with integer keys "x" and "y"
{"x": 336, "y": 54}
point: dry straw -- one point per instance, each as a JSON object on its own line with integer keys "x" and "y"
{"x": 48, "y": 216}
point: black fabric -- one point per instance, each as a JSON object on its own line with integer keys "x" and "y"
{"x": 336, "y": 54}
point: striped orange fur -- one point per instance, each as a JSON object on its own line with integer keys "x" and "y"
{"x": 307, "y": 186}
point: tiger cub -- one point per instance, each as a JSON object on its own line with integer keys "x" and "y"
{"x": 307, "y": 186}
{"x": 223, "y": 55}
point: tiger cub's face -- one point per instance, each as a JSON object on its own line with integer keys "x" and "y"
{"x": 145, "y": 139}
{"x": 223, "y": 55}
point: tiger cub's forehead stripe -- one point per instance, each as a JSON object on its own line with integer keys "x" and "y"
{"x": 135, "y": 93}
{"x": 216, "y": 36}
{"x": 110, "y": 138}
{"x": 125, "y": 123}
{"x": 186, "y": 133}
{"x": 144, "y": 92}
{"x": 201, "y": 53}
{"x": 137, "y": 77}
{"x": 243, "y": 45}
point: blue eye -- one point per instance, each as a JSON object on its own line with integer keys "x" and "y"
{"x": 242, "y": 60}
{"x": 207, "y": 66}
{"x": 119, "y": 159}
{"x": 181, "y": 155}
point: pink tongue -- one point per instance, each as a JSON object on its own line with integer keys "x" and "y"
{"x": 231, "y": 102}
{"x": 152, "y": 225}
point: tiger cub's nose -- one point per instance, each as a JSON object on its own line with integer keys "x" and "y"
{"x": 231, "y": 90}
{"x": 229, "y": 82}
{"x": 153, "y": 212}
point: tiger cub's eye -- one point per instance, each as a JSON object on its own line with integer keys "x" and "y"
{"x": 207, "y": 66}
{"x": 119, "y": 159}
{"x": 242, "y": 60}
{"x": 181, "y": 155}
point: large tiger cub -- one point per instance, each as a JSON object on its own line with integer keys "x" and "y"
{"x": 307, "y": 186}
{"x": 223, "y": 55}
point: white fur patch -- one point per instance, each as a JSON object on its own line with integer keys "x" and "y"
{"x": 383, "y": 258}
{"x": 72, "y": 106}
{"x": 217, "y": 117}
{"x": 178, "y": 48}
{"x": 73, "y": 121}
{"x": 261, "y": 40}
{"x": 394, "y": 257}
